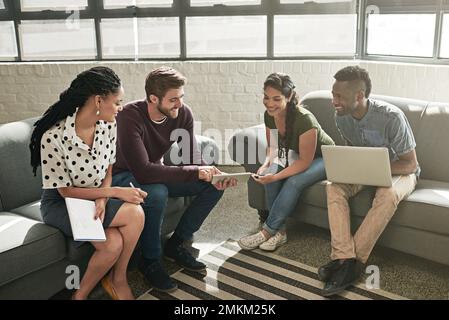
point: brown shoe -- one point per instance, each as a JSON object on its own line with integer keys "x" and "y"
{"x": 109, "y": 288}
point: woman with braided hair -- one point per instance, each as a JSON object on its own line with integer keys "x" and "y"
{"x": 74, "y": 142}
{"x": 293, "y": 160}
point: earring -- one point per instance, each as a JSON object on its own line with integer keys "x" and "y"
{"x": 98, "y": 112}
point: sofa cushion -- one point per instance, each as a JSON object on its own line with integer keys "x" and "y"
{"x": 27, "y": 245}
{"x": 427, "y": 208}
{"x": 18, "y": 186}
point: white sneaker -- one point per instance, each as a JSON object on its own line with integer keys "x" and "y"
{"x": 274, "y": 242}
{"x": 252, "y": 241}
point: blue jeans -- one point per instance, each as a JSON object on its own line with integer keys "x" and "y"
{"x": 206, "y": 197}
{"x": 282, "y": 196}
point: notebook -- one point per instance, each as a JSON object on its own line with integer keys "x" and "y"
{"x": 84, "y": 227}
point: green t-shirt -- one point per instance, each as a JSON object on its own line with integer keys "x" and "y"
{"x": 304, "y": 121}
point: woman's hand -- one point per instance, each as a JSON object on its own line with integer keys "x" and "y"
{"x": 266, "y": 179}
{"x": 100, "y": 208}
{"x": 262, "y": 169}
{"x": 132, "y": 195}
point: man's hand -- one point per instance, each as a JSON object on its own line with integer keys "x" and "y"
{"x": 225, "y": 183}
{"x": 206, "y": 173}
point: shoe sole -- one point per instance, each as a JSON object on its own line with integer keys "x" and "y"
{"x": 246, "y": 247}
{"x": 159, "y": 289}
{"x": 164, "y": 290}
{"x": 187, "y": 268}
{"x": 339, "y": 290}
{"x": 272, "y": 249}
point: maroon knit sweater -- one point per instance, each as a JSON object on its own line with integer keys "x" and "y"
{"x": 142, "y": 144}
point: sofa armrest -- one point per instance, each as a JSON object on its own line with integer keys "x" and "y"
{"x": 248, "y": 147}
{"x": 207, "y": 146}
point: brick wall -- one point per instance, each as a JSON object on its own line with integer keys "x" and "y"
{"x": 223, "y": 95}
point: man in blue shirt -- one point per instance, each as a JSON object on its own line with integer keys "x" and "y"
{"x": 369, "y": 123}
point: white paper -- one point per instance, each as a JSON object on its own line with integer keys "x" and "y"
{"x": 84, "y": 226}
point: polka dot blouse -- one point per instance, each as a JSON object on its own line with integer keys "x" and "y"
{"x": 67, "y": 161}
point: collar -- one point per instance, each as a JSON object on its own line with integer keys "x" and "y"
{"x": 69, "y": 133}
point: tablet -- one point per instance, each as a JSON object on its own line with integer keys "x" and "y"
{"x": 240, "y": 177}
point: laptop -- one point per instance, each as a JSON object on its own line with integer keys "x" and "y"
{"x": 358, "y": 165}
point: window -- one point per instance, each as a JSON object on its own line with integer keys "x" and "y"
{"x": 8, "y": 49}
{"x": 315, "y": 35}
{"x": 401, "y": 34}
{"x": 444, "y": 53}
{"x": 158, "y": 37}
{"x": 140, "y": 38}
{"x": 226, "y": 36}
{"x": 57, "y": 39}
{"x": 39, "y": 5}
{"x": 200, "y": 3}
{"x": 114, "y": 4}
{"x": 400, "y": 30}
{"x": 314, "y": 1}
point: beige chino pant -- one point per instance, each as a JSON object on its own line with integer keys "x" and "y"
{"x": 386, "y": 200}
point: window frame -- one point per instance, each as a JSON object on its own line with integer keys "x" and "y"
{"x": 270, "y": 8}
{"x": 438, "y": 7}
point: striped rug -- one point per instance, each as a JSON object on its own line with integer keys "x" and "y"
{"x": 235, "y": 274}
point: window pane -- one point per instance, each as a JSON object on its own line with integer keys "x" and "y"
{"x": 158, "y": 37}
{"x": 58, "y": 39}
{"x": 401, "y": 34}
{"x": 315, "y": 35}
{"x": 209, "y": 3}
{"x": 445, "y": 37}
{"x": 2, "y": 5}
{"x": 226, "y": 36}
{"x": 38, "y": 5}
{"x": 8, "y": 48}
{"x": 315, "y": 1}
{"x": 113, "y": 4}
{"x": 117, "y": 38}
{"x": 129, "y": 38}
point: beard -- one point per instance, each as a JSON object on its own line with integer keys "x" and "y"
{"x": 166, "y": 112}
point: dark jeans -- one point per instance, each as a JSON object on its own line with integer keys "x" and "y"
{"x": 206, "y": 197}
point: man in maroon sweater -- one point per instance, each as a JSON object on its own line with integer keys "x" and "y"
{"x": 144, "y": 136}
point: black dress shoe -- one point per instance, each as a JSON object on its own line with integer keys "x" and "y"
{"x": 325, "y": 272}
{"x": 183, "y": 257}
{"x": 348, "y": 274}
{"x": 157, "y": 277}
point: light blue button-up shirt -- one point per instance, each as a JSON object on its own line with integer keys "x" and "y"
{"x": 384, "y": 125}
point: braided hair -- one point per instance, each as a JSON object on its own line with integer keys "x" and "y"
{"x": 284, "y": 84}
{"x": 95, "y": 81}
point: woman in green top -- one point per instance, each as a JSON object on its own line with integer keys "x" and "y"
{"x": 293, "y": 160}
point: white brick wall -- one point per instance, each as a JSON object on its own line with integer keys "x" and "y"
{"x": 223, "y": 95}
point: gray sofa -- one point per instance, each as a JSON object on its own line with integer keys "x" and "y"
{"x": 34, "y": 256}
{"x": 421, "y": 224}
